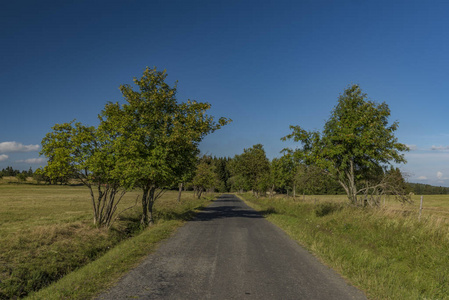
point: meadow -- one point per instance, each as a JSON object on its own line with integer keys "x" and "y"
{"x": 387, "y": 252}
{"x": 46, "y": 232}
{"x": 49, "y": 248}
{"x": 434, "y": 206}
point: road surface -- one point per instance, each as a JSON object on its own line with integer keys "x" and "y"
{"x": 231, "y": 252}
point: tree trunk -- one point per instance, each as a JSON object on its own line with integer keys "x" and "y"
{"x": 144, "y": 219}
{"x": 93, "y": 204}
{"x": 351, "y": 188}
{"x": 179, "y": 192}
{"x": 150, "y": 205}
{"x": 98, "y": 206}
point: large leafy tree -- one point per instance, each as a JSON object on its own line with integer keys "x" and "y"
{"x": 157, "y": 137}
{"x": 150, "y": 142}
{"x": 281, "y": 173}
{"x": 356, "y": 144}
{"x": 85, "y": 153}
{"x": 205, "y": 176}
{"x": 251, "y": 169}
{"x": 276, "y": 176}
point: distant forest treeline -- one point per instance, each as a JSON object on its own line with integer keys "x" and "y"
{"x": 9, "y": 171}
{"x": 427, "y": 189}
{"x": 323, "y": 187}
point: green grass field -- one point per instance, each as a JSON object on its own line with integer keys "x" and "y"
{"x": 46, "y": 232}
{"x": 387, "y": 252}
{"x": 434, "y": 206}
{"x": 48, "y": 243}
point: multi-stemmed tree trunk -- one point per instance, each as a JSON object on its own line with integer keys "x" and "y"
{"x": 150, "y": 194}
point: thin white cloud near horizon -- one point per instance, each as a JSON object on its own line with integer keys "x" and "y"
{"x": 3, "y": 157}
{"x": 439, "y": 148}
{"x": 13, "y": 147}
{"x": 39, "y": 160}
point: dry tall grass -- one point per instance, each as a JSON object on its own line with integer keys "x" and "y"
{"x": 47, "y": 231}
{"x": 388, "y": 252}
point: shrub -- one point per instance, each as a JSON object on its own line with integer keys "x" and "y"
{"x": 326, "y": 208}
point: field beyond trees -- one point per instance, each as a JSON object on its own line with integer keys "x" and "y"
{"x": 46, "y": 232}
{"x": 386, "y": 251}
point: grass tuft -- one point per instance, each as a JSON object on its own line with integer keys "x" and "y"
{"x": 323, "y": 209}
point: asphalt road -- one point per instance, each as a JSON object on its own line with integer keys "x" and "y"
{"x": 231, "y": 252}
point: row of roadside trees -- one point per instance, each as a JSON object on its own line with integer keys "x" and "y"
{"x": 151, "y": 143}
{"x": 354, "y": 155}
{"x": 148, "y": 143}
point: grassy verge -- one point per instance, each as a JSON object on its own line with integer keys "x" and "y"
{"x": 101, "y": 273}
{"x": 46, "y": 233}
{"x": 387, "y": 254}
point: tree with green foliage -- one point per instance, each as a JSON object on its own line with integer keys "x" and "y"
{"x": 291, "y": 167}
{"x": 39, "y": 176}
{"x": 150, "y": 142}
{"x": 22, "y": 177}
{"x": 157, "y": 138}
{"x": 86, "y": 154}
{"x": 252, "y": 167}
{"x": 58, "y": 146}
{"x": 237, "y": 181}
{"x": 222, "y": 171}
{"x": 356, "y": 140}
{"x": 281, "y": 174}
{"x": 205, "y": 177}
{"x": 305, "y": 178}
{"x": 275, "y": 178}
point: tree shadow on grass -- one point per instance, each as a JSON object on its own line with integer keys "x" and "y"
{"x": 172, "y": 215}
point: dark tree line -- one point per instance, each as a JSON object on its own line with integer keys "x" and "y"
{"x": 279, "y": 176}
{"x": 253, "y": 171}
{"x": 427, "y": 189}
{"x": 10, "y": 171}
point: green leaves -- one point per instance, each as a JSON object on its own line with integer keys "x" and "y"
{"x": 251, "y": 169}
{"x": 158, "y": 137}
{"x": 205, "y": 176}
{"x": 355, "y": 138}
{"x": 151, "y": 141}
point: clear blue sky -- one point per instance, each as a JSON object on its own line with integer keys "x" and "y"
{"x": 264, "y": 64}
